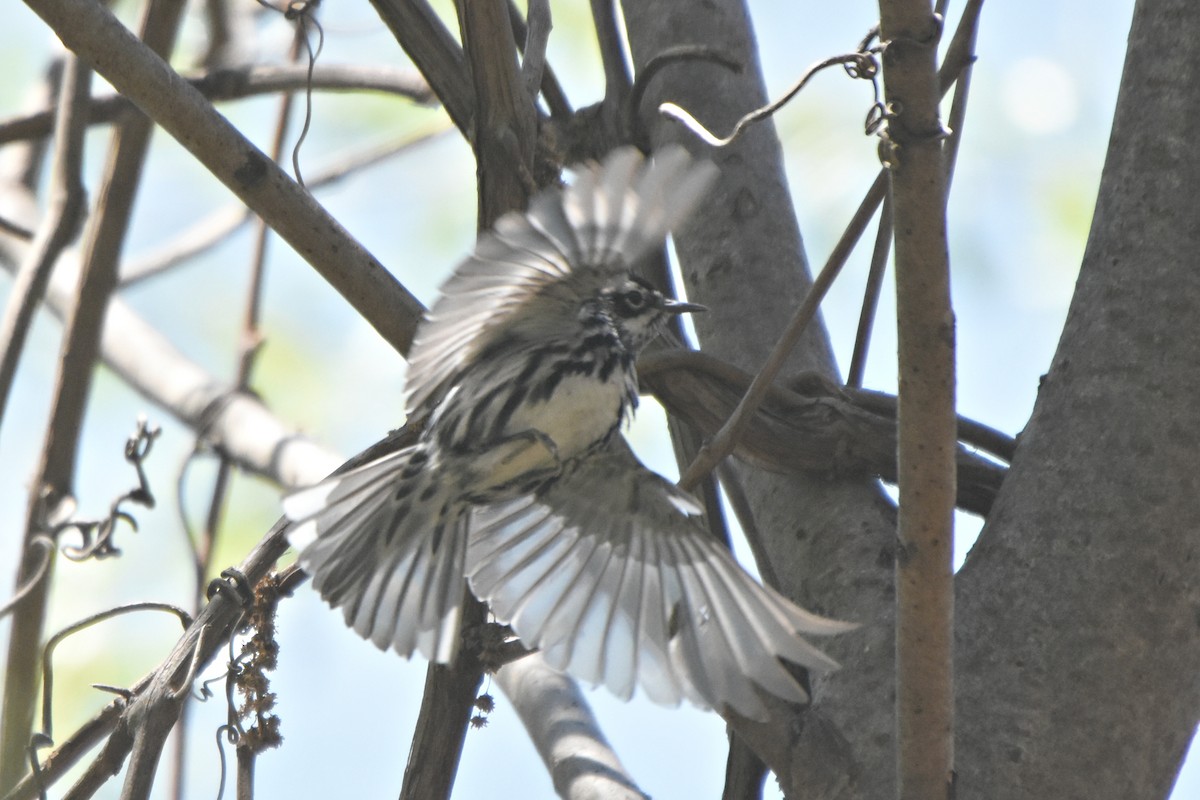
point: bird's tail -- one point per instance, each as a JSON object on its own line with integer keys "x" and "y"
{"x": 385, "y": 542}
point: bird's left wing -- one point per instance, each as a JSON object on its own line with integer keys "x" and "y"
{"x": 603, "y": 223}
{"x": 607, "y": 571}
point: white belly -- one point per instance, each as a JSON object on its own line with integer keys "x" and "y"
{"x": 578, "y": 414}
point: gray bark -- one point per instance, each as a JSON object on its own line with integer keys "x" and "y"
{"x": 829, "y": 542}
{"x": 1078, "y": 630}
{"x": 1078, "y": 620}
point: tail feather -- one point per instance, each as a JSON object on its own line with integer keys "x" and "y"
{"x": 386, "y": 544}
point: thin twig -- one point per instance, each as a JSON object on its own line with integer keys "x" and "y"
{"x": 958, "y": 112}
{"x": 863, "y": 63}
{"x": 551, "y": 90}
{"x": 215, "y": 228}
{"x": 219, "y": 27}
{"x": 871, "y": 294}
{"x": 15, "y": 229}
{"x": 45, "y": 545}
{"x": 54, "y": 641}
{"x": 743, "y": 511}
{"x": 59, "y": 227}
{"x": 236, "y": 83}
{"x": 617, "y": 80}
{"x": 64, "y": 215}
{"x": 91, "y": 30}
{"x": 533, "y": 61}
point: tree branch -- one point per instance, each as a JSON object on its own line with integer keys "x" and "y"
{"x": 912, "y": 147}
{"x": 236, "y": 83}
{"x": 55, "y": 472}
{"x": 97, "y": 36}
{"x": 810, "y": 426}
{"x": 565, "y": 732}
{"x": 1077, "y": 609}
{"x": 435, "y": 53}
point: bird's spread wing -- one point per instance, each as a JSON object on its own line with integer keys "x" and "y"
{"x": 380, "y": 547}
{"x": 607, "y": 573}
{"x": 606, "y": 220}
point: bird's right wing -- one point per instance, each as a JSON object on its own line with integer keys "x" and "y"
{"x": 605, "y": 221}
{"x": 385, "y": 543}
{"x": 608, "y": 573}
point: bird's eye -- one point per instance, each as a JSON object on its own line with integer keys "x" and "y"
{"x": 633, "y": 300}
{"x": 630, "y": 302}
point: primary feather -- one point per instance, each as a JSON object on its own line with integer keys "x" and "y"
{"x": 603, "y": 572}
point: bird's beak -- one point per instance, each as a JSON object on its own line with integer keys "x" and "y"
{"x": 676, "y": 307}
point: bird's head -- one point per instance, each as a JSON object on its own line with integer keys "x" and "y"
{"x": 638, "y": 311}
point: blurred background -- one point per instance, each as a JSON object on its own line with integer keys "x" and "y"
{"x": 1042, "y": 97}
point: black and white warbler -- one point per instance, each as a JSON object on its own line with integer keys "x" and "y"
{"x": 523, "y": 483}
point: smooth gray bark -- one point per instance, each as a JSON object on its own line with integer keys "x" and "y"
{"x": 1079, "y": 610}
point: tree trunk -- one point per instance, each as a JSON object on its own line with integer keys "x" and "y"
{"x": 1078, "y": 636}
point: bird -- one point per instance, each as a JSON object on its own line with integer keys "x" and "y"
{"x": 523, "y": 485}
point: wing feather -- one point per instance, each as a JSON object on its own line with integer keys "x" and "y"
{"x": 706, "y": 654}
{"x": 655, "y": 673}
{"x": 391, "y": 562}
{"x": 605, "y": 572}
{"x": 600, "y": 225}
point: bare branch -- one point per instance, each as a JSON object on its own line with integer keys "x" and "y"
{"x": 436, "y": 54}
{"x": 236, "y": 83}
{"x": 579, "y": 759}
{"x": 93, "y": 32}
{"x": 64, "y": 215}
{"x": 222, "y": 223}
{"x": 871, "y": 293}
{"x": 810, "y": 426}
{"x": 723, "y": 443}
{"x": 533, "y": 62}
{"x": 56, "y": 468}
{"x": 617, "y": 81}
{"x": 551, "y": 90}
{"x": 926, "y": 441}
